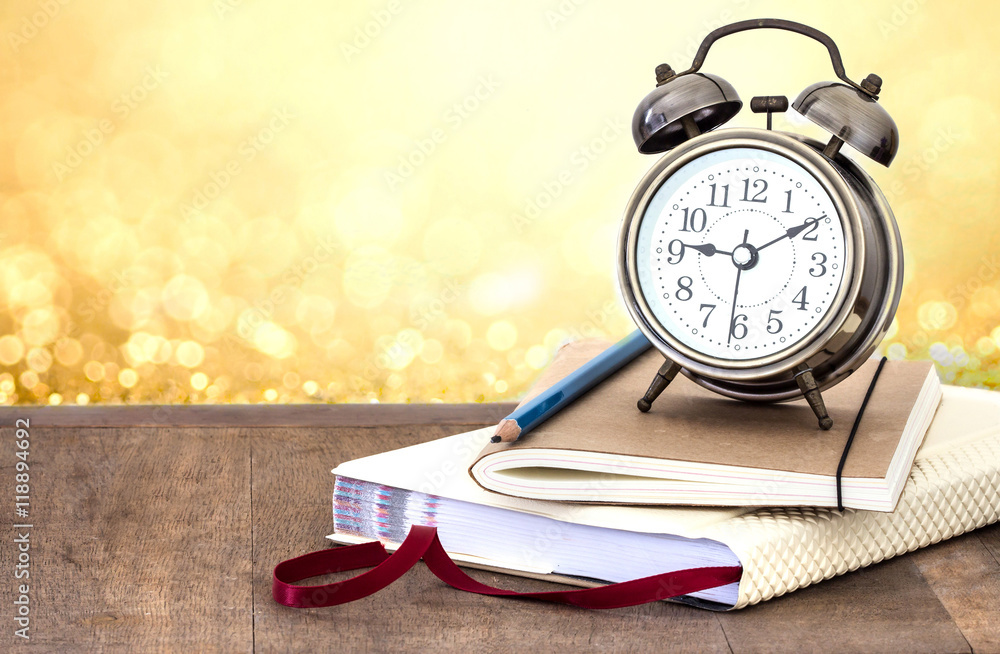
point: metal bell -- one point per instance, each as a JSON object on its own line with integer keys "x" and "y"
{"x": 853, "y": 116}
{"x": 680, "y": 108}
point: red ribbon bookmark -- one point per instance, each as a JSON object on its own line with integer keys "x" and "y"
{"x": 422, "y": 542}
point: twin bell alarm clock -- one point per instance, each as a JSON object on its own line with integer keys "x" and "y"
{"x": 763, "y": 265}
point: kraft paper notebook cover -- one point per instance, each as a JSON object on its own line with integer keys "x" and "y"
{"x": 954, "y": 487}
{"x": 696, "y": 447}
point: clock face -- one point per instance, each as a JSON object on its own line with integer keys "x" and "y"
{"x": 741, "y": 254}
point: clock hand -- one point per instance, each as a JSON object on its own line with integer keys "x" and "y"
{"x": 707, "y": 249}
{"x": 736, "y": 292}
{"x": 793, "y": 231}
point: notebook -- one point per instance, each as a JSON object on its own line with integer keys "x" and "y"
{"x": 696, "y": 447}
{"x": 954, "y": 487}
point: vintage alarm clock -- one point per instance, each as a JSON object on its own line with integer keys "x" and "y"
{"x": 763, "y": 265}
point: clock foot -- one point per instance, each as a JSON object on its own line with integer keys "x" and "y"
{"x": 809, "y": 388}
{"x": 664, "y": 376}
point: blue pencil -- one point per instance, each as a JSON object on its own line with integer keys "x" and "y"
{"x": 567, "y": 390}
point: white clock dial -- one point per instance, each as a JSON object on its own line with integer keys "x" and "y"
{"x": 740, "y": 254}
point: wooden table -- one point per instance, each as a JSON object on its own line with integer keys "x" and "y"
{"x": 156, "y": 528}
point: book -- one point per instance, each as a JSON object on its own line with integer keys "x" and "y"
{"x": 953, "y": 487}
{"x": 696, "y": 447}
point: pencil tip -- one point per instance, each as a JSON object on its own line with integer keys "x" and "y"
{"x": 507, "y": 431}
{"x": 495, "y": 439}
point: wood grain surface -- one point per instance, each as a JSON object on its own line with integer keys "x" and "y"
{"x": 149, "y": 536}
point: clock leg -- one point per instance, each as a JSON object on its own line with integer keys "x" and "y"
{"x": 809, "y": 388}
{"x": 664, "y": 376}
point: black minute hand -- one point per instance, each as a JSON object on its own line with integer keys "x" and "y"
{"x": 736, "y": 292}
{"x": 793, "y": 231}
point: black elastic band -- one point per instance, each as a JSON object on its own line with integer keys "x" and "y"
{"x": 854, "y": 430}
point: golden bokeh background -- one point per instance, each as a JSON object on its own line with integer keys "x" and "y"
{"x": 394, "y": 201}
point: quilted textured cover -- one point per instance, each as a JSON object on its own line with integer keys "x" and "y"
{"x": 784, "y": 549}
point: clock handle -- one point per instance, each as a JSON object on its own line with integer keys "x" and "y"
{"x": 780, "y": 24}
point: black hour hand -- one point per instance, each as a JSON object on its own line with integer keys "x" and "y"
{"x": 707, "y": 249}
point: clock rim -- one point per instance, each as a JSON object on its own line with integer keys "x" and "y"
{"x": 841, "y": 306}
